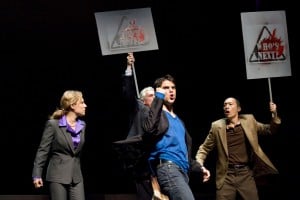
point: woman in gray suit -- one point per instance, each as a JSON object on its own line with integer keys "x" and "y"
{"x": 61, "y": 144}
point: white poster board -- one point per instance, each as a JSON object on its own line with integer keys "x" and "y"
{"x": 124, "y": 31}
{"x": 266, "y": 44}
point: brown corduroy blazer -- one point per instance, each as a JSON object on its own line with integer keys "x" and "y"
{"x": 217, "y": 138}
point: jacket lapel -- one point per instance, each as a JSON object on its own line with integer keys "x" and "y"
{"x": 222, "y": 135}
{"x": 68, "y": 138}
{"x": 81, "y": 140}
{"x": 247, "y": 131}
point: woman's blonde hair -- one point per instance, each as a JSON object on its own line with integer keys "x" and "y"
{"x": 68, "y": 98}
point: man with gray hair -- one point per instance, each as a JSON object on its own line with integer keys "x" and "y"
{"x": 132, "y": 150}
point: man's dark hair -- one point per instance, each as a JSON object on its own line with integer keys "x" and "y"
{"x": 158, "y": 82}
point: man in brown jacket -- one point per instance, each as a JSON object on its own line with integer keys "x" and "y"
{"x": 239, "y": 155}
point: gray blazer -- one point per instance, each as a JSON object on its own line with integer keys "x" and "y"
{"x": 56, "y": 146}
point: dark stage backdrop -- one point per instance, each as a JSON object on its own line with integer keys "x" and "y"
{"x": 50, "y": 46}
